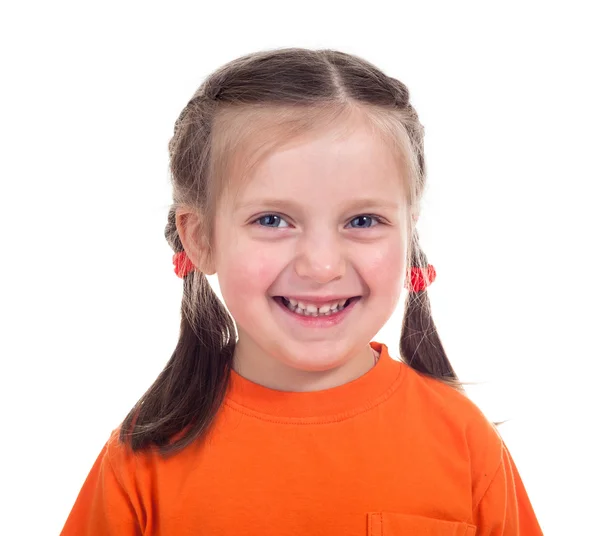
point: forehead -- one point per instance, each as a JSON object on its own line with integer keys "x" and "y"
{"x": 339, "y": 162}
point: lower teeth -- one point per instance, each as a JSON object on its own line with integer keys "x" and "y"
{"x": 303, "y": 312}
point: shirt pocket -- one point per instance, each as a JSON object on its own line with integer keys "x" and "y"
{"x": 395, "y": 524}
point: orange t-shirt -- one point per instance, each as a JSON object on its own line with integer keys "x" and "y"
{"x": 390, "y": 453}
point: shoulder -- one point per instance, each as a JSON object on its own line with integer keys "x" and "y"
{"x": 439, "y": 396}
{"x": 448, "y": 413}
{"x": 146, "y": 463}
{"x": 124, "y": 463}
{"x": 445, "y": 402}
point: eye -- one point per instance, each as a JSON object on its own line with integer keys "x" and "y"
{"x": 365, "y": 221}
{"x": 271, "y": 220}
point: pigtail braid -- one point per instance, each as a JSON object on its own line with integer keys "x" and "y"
{"x": 192, "y": 386}
{"x": 420, "y": 344}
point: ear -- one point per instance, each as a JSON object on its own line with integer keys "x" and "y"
{"x": 415, "y": 213}
{"x": 193, "y": 238}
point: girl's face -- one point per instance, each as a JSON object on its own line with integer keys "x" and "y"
{"x": 320, "y": 221}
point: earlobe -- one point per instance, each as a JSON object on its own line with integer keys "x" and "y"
{"x": 415, "y": 217}
{"x": 192, "y": 236}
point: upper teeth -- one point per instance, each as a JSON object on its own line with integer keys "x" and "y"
{"x": 318, "y": 309}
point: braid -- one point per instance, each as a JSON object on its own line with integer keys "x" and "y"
{"x": 420, "y": 344}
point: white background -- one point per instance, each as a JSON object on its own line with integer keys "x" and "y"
{"x": 89, "y": 303}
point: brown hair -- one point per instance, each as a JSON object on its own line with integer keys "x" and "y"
{"x": 278, "y": 94}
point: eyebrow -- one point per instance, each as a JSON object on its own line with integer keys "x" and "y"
{"x": 289, "y": 204}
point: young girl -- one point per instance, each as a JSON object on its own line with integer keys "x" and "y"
{"x": 297, "y": 178}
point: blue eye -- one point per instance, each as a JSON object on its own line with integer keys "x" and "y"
{"x": 364, "y": 221}
{"x": 270, "y": 220}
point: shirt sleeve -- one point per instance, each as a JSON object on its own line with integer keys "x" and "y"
{"x": 102, "y": 507}
{"x": 505, "y": 508}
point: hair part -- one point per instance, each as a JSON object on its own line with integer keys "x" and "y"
{"x": 240, "y": 114}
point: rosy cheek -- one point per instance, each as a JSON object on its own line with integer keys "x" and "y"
{"x": 386, "y": 256}
{"x": 383, "y": 267}
{"x": 249, "y": 270}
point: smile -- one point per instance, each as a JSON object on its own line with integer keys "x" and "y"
{"x": 316, "y": 310}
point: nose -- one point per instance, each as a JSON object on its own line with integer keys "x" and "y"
{"x": 320, "y": 257}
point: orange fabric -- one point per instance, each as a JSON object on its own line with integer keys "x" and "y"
{"x": 389, "y": 453}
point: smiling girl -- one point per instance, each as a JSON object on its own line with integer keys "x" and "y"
{"x": 297, "y": 179}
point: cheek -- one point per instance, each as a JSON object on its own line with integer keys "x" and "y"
{"x": 384, "y": 269}
{"x": 247, "y": 272}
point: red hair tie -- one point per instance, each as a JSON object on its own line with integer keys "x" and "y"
{"x": 415, "y": 283}
{"x": 417, "y": 280}
{"x": 183, "y": 265}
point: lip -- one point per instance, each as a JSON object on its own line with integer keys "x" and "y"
{"x": 316, "y": 300}
{"x": 317, "y": 321}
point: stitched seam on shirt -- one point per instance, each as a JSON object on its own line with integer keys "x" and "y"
{"x": 489, "y": 483}
{"x": 118, "y": 479}
{"x": 112, "y": 467}
{"x": 327, "y": 419}
{"x": 372, "y": 517}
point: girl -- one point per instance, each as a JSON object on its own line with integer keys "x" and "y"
{"x": 297, "y": 178}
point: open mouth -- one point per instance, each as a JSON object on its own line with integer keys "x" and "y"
{"x": 307, "y": 309}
